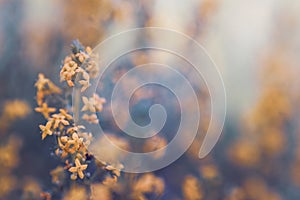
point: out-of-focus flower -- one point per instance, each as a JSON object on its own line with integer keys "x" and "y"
{"x": 13, "y": 110}
{"x": 99, "y": 103}
{"x": 155, "y": 143}
{"x": 89, "y": 104}
{"x": 76, "y": 192}
{"x": 100, "y": 191}
{"x": 45, "y": 196}
{"x": 148, "y": 183}
{"x": 7, "y": 184}
{"x": 45, "y": 87}
{"x": 256, "y": 188}
{"x": 58, "y": 175}
{"x": 236, "y": 194}
{"x": 9, "y": 154}
{"x": 245, "y": 153}
{"x": 111, "y": 155}
{"x": 92, "y": 119}
{"x": 209, "y": 171}
{"x": 85, "y": 82}
{"x": 191, "y": 189}
{"x": 31, "y": 189}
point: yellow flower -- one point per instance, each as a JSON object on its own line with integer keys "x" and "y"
{"x": 64, "y": 113}
{"x": 89, "y": 104}
{"x": 78, "y": 169}
{"x": 92, "y": 69}
{"x": 45, "y": 87}
{"x": 99, "y": 102}
{"x": 88, "y": 50}
{"x": 86, "y": 82}
{"x": 59, "y": 119}
{"x": 41, "y": 82}
{"x": 88, "y": 137}
{"x": 148, "y": 183}
{"x": 92, "y": 119}
{"x": 64, "y": 147}
{"x": 93, "y": 104}
{"x": 46, "y": 129}
{"x": 75, "y": 129}
{"x": 81, "y": 56}
{"x": 68, "y": 72}
{"x": 45, "y": 110}
{"x": 76, "y": 143}
{"x": 192, "y": 189}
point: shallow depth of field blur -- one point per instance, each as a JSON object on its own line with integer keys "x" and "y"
{"x": 256, "y": 46}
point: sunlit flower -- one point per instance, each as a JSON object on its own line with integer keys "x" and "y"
{"x": 45, "y": 110}
{"x": 41, "y": 82}
{"x": 148, "y": 183}
{"x": 81, "y": 56}
{"x": 87, "y": 138}
{"x": 92, "y": 119}
{"x": 68, "y": 72}
{"x": 89, "y": 104}
{"x": 75, "y": 129}
{"x": 59, "y": 119}
{"x": 46, "y": 130}
{"x": 209, "y": 171}
{"x": 64, "y": 113}
{"x": 76, "y": 142}
{"x": 85, "y": 82}
{"x": 78, "y": 169}
{"x": 98, "y": 103}
{"x": 92, "y": 69}
{"x": 191, "y": 189}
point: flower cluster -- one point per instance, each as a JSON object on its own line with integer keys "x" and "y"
{"x": 71, "y": 139}
{"x": 80, "y": 65}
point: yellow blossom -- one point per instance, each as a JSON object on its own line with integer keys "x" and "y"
{"x": 76, "y": 142}
{"x": 64, "y": 113}
{"x": 99, "y": 103}
{"x": 86, "y": 82}
{"x": 89, "y": 104}
{"x": 59, "y": 119}
{"x": 75, "y": 129}
{"x": 92, "y": 119}
{"x": 192, "y": 189}
{"x": 41, "y": 82}
{"x": 46, "y": 130}
{"x": 45, "y": 110}
{"x": 68, "y": 72}
{"x": 78, "y": 169}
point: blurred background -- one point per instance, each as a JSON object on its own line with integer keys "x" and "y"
{"x": 256, "y": 46}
